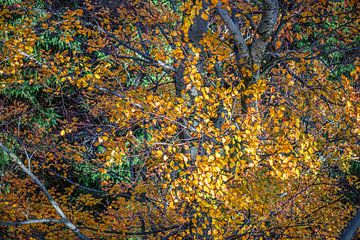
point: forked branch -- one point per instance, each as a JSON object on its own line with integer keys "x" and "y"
{"x": 52, "y": 201}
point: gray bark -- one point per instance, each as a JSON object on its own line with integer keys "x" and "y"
{"x": 235, "y": 31}
{"x": 352, "y": 228}
{"x": 196, "y": 33}
{"x": 266, "y": 27}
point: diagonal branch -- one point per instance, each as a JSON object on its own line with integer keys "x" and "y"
{"x": 352, "y": 228}
{"x": 52, "y": 201}
{"x": 119, "y": 95}
{"x": 268, "y": 18}
{"x": 304, "y": 83}
{"x": 235, "y": 31}
{"x": 144, "y": 55}
{"x": 30, "y": 57}
{"x": 31, "y": 221}
{"x": 266, "y": 27}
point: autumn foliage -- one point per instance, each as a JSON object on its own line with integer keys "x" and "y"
{"x": 178, "y": 119}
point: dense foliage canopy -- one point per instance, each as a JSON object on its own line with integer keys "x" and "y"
{"x": 193, "y": 119}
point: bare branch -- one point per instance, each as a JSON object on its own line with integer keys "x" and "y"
{"x": 119, "y": 95}
{"x": 31, "y": 221}
{"x": 144, "y": 55}
{"x": 268, "y": 18}
{"x": 352, "y": 228}
{"x": 52, "y": 201}
{"x": 265, "y": 29}
{"x": 30, "y": 57}
{"x": 235, "y": 30}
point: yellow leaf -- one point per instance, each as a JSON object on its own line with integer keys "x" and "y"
{"x": 256, "y": 67}
{"x": 225, "y": 178}
{"x": 158, "y": 154}
{"x": 204, "y": 16}
{"x": 62, "y": 133}
{"x": 97, "y": 76}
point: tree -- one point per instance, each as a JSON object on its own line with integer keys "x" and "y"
{"x": 168, "y": 119}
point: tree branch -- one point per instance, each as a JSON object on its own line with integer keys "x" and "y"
{"x": 31, "y": 221}
{"x": 143, "y": 233}
{"x": 144, "y": 55}
{"x": 30, "y": 57}
{"x": 352, "y": 227}
{"x": 268, "y": 18}
{"x": 117, "y": 94}
{"x": 52, "y": 201}
{"x": 265, "y": 29}
{"x": 235, "y": 31}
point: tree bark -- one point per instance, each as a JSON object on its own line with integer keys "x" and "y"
{"x": 266, "y": 27}
{"x": 352, "y": 228}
